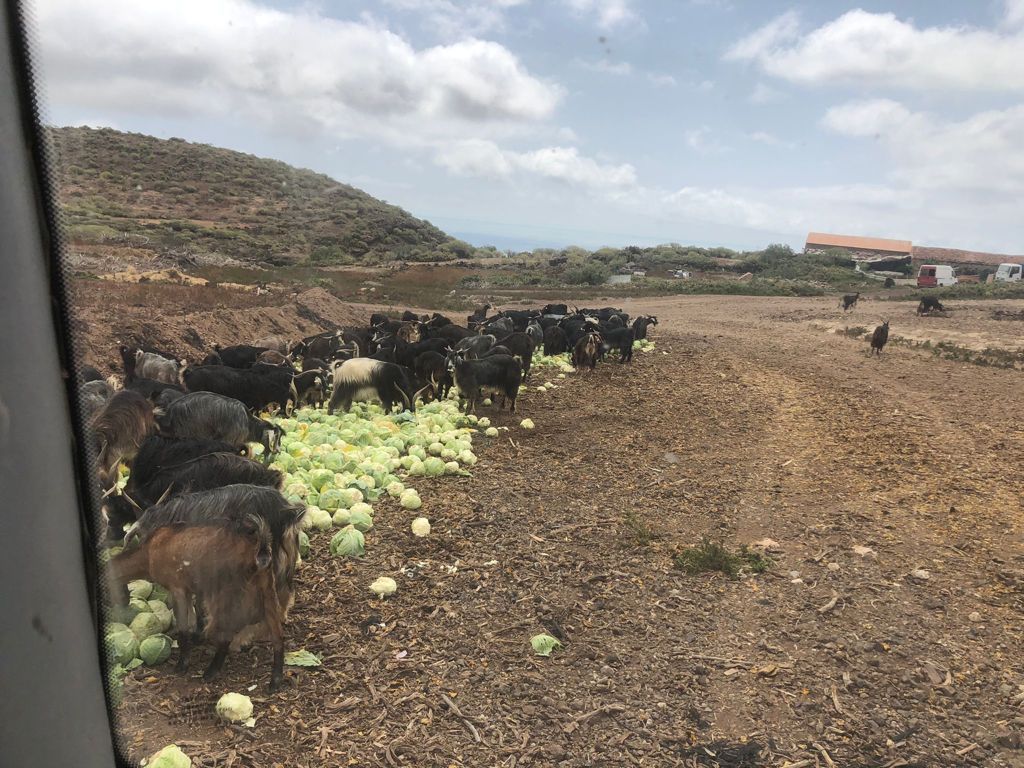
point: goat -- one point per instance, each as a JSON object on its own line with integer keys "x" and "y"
{"x": 215, "y": 417}
{"x": 849, "y": 300}
{"x": 584, "y": 354}
{"x": 202, "y": 472}
{"x": 432, "y": 371}
{"x": 929, "y": 304}
{"x": 879, "y": 338}
{"x": 239, "y": 355}
{"x": 227, "y": 568}
{"x": 278, "y": 344}
{"x": 521, "y": 345}
{"x": 556, "y": 341}
{"x": 119, "y": 428}
{"x": 500, "y": 375}
{"x": 474, "y": 346}
{"x": 257, "y": 390}
{"x": 620, "y": 339}
{"x": 152, "y": 366}
{"x": 641, "y": 324}
{"x": 311, "y": 388}
{"x": 92, "y": 396}
{"x": 273, "y": 357}
{"x": 363, "y": 378}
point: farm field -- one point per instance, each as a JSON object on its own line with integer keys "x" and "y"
{"x": 886, "y": 632}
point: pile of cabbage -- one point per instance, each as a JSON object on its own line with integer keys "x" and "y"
{"x": 561, "y": 362}
{"x": 138, "y": 633}
{"x": 340, "y": 465}
{"x": 643, "y": 345}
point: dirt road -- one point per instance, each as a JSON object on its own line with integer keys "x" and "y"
{"x": 745, "y": 423}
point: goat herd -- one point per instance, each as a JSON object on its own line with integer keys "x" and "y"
{"x": 207, "y": 520}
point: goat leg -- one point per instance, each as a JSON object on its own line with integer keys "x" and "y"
{"x": 217, "y": 662}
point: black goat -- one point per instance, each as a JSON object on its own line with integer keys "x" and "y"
{"x": 499, "y": 375}
{"x": 879, "y": 338}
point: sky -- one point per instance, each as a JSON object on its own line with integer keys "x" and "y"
{"x": 526, "y": 123}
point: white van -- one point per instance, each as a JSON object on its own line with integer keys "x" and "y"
{"x": 936, "y": 276}
{"x": 1009, "y": 273}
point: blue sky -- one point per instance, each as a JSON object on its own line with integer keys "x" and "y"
{"x": 589, "y": 122}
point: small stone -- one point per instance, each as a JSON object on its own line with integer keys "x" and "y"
{"x": 974, "y": 616}
{"x": 920, "y": 574}
{"x": 833, "y": 566}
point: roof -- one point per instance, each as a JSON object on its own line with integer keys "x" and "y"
{"x": 865, "y": 243}
{"x": 957, "y": 256}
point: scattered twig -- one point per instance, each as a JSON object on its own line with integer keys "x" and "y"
{"x": 835, "y": 701}
{"x": 830, "y": 604}
{"x": 465, "y": 720}
{"x": 824, "y": 754}
{"x": 576, "y": 722}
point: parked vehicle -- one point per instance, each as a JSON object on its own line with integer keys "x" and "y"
{"x": 1009, "y": 273}
{"x": 936, "y": 276}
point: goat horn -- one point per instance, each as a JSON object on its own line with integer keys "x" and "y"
{"x": 133, "y": 502}
{"x": 166, "y": 493}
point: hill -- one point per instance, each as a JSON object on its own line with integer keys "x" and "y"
{"x": 129, "y": 198}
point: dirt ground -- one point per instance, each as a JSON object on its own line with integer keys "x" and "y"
{"x": 747, "y": 422}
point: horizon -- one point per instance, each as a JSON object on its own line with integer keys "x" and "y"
{"x": 585, "y": 122}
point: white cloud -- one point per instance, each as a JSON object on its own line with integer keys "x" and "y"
{"x": 661, "y": 79}
{"x": 701, "y": 140}
{"x": 1013, "y": 15}
{"x": 770, "y": 139}
{"x": 460, "y": 18}
{"x": 765, "y": 94}
{"x": 295, "y": 70}
{"x": 879, "y": 49}
{"x": 606, "y": 67}
{"x": 562, "y": 164}
{"x": 609, "y": 13}
{"x": 978, "y": 158}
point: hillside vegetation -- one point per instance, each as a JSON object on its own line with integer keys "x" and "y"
{"x": 195, "y": 203}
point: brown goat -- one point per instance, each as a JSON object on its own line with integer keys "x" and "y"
{"x": 584, "y": 354}
{"x": 226, "y": 568}
{"x": 119, "y": 428}
{"x": 411, "y": 332}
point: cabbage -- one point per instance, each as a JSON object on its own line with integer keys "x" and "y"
{"x": 141, "y": 589}
{"x": 487, "y": 401}
{"x": 410, "y": 499}
{"x": 234, "y": 707}
{"x": 318, "y": 478}
{"x": 361, "y": 516}
{"x": 421, "y": 527}
{"x": 452, "y": 467}
{"x": 467, "y": 457}
{"x": 122, "y": 645}
{"x": 368, "y": 481}
{"x": 561, "y": 376}
{"x": 321, "y": 518}
{"x": 395, "y": 489}
{"x": 418, "y": 469}
{"x": 526, "y": 424}
{"x": 341, "y": 518}
{"x": 301, "y": 658}
{"x": 434, "y": 449}
{"x": 146, "y": 624}
{"x": 170, "y": 756}
{"x": 418, "y": 451}
{"x": 491, "y": 432}
{"x": 544, "y": 644}
{"x": 155, "y": 649}
{"x": 162, "y": 612}
{"x": 303, "y": 544}
{"x": 448, "y": 454}
{"x": 331, "y": 499}
{"x": 351, "y": 497}
{"x": 433, "y": 466}
{"x": 383, "y": 586}
{"x": 484, "y": 422}
{"x": 348, "y": 542}
{"x": 541, "y": 389}
{"x": 122, "y": 614}
{"x": 139, "y": 605}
